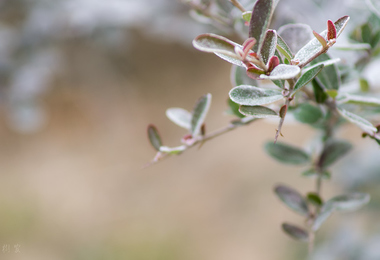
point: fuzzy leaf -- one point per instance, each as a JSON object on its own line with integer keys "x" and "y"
{"x": 268, "y": 46}
{"x": 234, "y": 60}
{"x": 287, "y": 154}
{"x": 261, "y": 15}
{"x": 364, "y": 124}
{"x": 314, "y": 46}
{"x": 332, "y": 152}
{"x": 239, "y": 77}
{"x": 307, "y": 113}
{"x": 292, "y": 199}
{"x": 180, "y": 117}
{"x": 154, "y": 137}
{"x": 199, "y": 114}
{"x": 329, "y": 76}
{"x": 323, "y": 215}
{"x": 358, "y": 100}
{"x": 284, "y": 48}
{"x": 254, "y": 96}
{"x": 295, "y": 232}
{"x": 283, "y": 71}
{"x": 321, "y": 40}
{"x": 306, "y": 78}
{"x": 212, "y": 43}
{"x": 257, "y": 111}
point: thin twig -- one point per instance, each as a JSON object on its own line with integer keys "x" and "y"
{"x": 202, "y": 139}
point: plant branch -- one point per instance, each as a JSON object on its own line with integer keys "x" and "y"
{"x": 320, "y": 52}
{"x": 202, "y": 139}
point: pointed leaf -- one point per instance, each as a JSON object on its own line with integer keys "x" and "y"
{"x": 284, "y": 48}
{"x": 321, "y": 40}
{"x": 286, "y": 153}
{"x": 323, "y": 215}
{"x": 307, "y": 113}
{"x": 257, "y": 111}
{"x": 234, "y": 60}
{"x": 306, "y": 78}
{"x": 199, "y": 114}
{"x": 295, "y": 232}
{"x": 254, "y": 96}
{"x": 332, "y": 152}
{"x": 180, "y": 117}
{"x": 283, "y": 71}
{"x": 329, "y": 76}
{"x": 358, "y": 100}
{"x": 364, "y": 124}
{"x": 268, "y": 46}
{"x": 261, "y": 15}
{"x": 314, "y": 46}
{"x": 331, "y": 31}
{"x": 247, "y": 16}
{"x": 292, "y": 199}
{"x": 239, "y": 77}
{"x": 154, "y": 137}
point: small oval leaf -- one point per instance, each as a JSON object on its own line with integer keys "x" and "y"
{"x": 199, "y": 114}
{"x": 180, "y": 117}
{"x": 268, "y": 46}
{"x": 333, "y": 150}
{"x": 292, "y": 199}
{"x": 314, "y": 199}
{"x": 295, "y": 232}
{"x": 257, "y": 111}
{"x": 254, "y": 96}
{"x": 286, "y": 153}
{"x": 212, "y": 43}
{"x": 349, "y": 202}
{"x": 154, "y": 137}
{"x": 282, "y": 71}
{"x": 284, "y": 48}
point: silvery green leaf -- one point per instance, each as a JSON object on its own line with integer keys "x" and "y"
{"x": 180, "y": 117}
{"x": 364, "y": 124}
{"x": 268, "y": 46}
{"x": 257, "y": 111}
{"x": 357, "y": 100}
{"x": 154, "y": 137}
{"x": 292, "y": 199}
{"x": 261, "y": 15}
{"x": 306, "y": 78}
{"x": 287, "y": 153}
{"x": 295, "y": 232}
{"x": 254, "y": 96}
{"x": 282, "y": 71}
{"x": 349, "y": 202}
{"x": 199, "y": 114}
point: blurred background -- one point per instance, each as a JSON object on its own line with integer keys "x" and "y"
{"x": 79, "y": 83}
